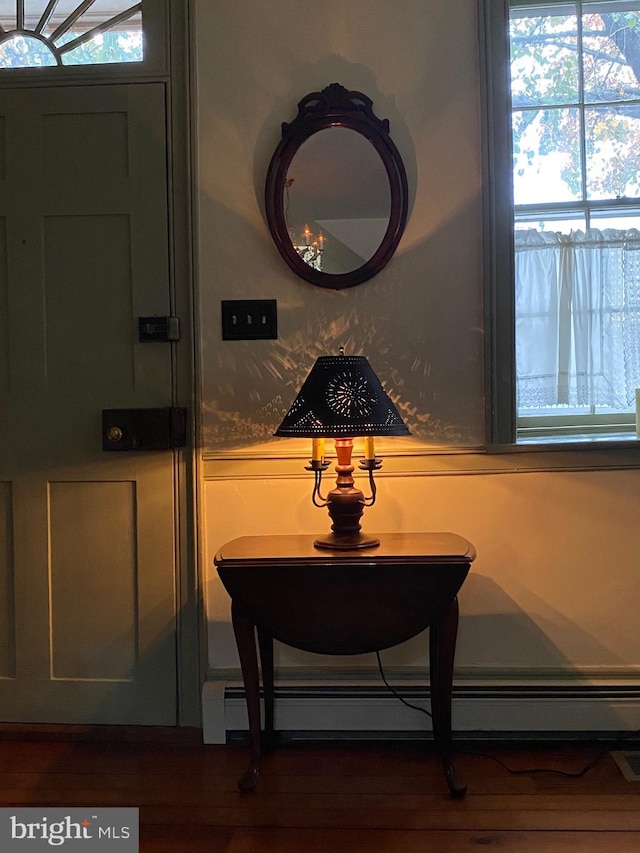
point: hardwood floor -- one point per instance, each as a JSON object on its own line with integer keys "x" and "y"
{"x": 330, "y": 798}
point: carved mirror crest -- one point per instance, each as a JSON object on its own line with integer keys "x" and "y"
{"x": 336, "y": 190}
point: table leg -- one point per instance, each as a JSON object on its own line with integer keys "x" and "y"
{"x": 265, "y": 642}
{"x": 244, "y": 630}
{"x": 442, "y": 647}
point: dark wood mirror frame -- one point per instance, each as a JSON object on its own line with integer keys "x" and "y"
{"x": 336, "y": 106}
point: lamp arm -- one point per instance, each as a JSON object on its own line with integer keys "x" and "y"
{"x": 372, "y": 485}
{"x": 316, "y": 490}
{"x": 317, "y": 466}
{"x": 371, "y": 465}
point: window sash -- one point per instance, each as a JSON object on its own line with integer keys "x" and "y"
{"x": 502, "y": 423}
{"x": 569, "y": 7}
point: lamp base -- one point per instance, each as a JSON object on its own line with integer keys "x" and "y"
{"x": 346, "y": 541}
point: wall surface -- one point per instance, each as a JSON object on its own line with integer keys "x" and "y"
{"x": 552, "y": 594}
{"x": 419, "y": 321}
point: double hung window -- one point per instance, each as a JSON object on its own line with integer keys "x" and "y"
{"x": 574, "y": 98}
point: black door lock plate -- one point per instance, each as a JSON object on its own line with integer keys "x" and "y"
{"x": 158, "y": 329}
{"x": 144, "y": 429}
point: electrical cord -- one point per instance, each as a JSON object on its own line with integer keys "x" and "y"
{"x": 571, "y": 774}
{"x": 395, "y": 692}
{"x": 577, "y": 774}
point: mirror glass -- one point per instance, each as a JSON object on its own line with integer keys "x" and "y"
{"x": 337, "y": 200}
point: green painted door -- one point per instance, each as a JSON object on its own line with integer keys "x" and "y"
{"x": 87, "y": 550}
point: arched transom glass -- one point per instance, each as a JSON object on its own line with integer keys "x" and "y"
{"x": 39, "y": 33}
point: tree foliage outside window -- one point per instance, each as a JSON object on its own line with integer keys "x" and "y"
{"x": 576, "y": 82}
{"x": 24, "y": 52}
{"x": 110, "y": 46}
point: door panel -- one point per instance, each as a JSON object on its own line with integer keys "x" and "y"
{"x": 88, "y": 315}
{"x": 7, "y": 613}
{"x": 4, "y": 310}
{"x": 2, "y": 150}
{"x": 70, "y": 141}
{"x": 87, "y": 546}
{"x": 93, "y": 614}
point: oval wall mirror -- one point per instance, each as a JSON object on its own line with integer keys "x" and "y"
{"x": 336, "y": 190}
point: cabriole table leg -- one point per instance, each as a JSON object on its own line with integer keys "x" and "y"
{"x": 244, "y": 630}
{"x": 442, "y": 648}
{"x": 265, "y": 642}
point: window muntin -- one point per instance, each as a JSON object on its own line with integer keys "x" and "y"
{"x": 38, "y": 33}
{"x": 575, "y": 95}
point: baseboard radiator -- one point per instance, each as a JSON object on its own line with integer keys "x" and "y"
{"x": 337, "y": 711}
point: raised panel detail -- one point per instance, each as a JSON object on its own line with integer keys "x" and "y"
{"x": 7, "y": 598}
{"x": 93, "y": 580}
{"x": 85, "y": 146}
{"x": 89, "y": 328}
{"x": 3, "y": 151}
{"x": 4, "y": 308}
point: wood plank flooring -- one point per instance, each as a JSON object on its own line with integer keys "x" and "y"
{"x": 326, "y": 798}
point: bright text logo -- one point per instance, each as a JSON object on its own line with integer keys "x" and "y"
{"x": 33, "y": 829}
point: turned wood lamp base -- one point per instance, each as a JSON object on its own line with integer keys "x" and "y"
{"x": 345, "y": 503}
{"x": 339, "y": 542}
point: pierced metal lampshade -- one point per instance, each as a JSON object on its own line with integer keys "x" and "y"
{"x": 341, "y": 397}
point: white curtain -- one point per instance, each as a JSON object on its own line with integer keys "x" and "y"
{"x": 577, "y": 318}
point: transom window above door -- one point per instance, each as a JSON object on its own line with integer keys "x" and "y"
{"x": 45, "y": 33}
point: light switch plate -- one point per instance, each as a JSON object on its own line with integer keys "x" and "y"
{"x": 249, "y": 319}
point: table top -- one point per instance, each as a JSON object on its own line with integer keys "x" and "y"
{"x": 407, "y": 547}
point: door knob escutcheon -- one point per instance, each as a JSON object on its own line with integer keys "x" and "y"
{"x": 114, "y": 433}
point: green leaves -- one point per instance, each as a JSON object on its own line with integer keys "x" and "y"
{"x": 573, "y": 83}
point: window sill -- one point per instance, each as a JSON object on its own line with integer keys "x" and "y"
{"x": 619, "y": 452}
{"x": 580, "y": 441}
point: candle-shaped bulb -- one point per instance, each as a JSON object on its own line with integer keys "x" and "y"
{"x": 369, "y": 447}
{"x": 317, "y": 449}
{"x": 307, "y": 235}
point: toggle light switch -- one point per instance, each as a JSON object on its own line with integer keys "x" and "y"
{"x": 249, "y": 319}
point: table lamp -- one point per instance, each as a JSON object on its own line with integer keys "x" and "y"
{"x": 342, "y": 398}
